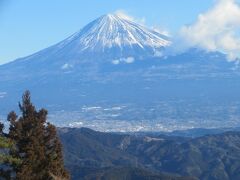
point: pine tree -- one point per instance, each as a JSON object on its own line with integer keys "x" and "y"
{"x": 54, "y": 153}
{"x": 35, "y": 142}
{"x": 1, "y": 128}
{"x": 7, "y": 161}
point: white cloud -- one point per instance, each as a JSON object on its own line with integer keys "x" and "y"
{"x": 115, "y": 62}
{"x": 162, "y": 31}
{"x": 127, "y": 60}
{"x": 3, "y": 94}
{"x": 123, "y": 14}
{"x": 217, "y": 29}
{"x": 158, "y": 54}
{"x": 66, "y": 66}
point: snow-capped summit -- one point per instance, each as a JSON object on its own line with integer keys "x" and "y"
{"x": 105, "y": 75}
{"x": 114, "y": 31}
{"x": 110, "y": 38}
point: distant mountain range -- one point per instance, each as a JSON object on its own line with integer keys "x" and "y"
{"x": 100, "y": 155}
{"x": 115, "y": 75}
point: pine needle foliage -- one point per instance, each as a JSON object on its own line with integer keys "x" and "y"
{"x": 37, "y": 143}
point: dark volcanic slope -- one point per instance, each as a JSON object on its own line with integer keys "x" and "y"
{"x": 209, "y": 157}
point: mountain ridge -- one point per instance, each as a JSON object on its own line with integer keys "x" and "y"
{"x": 212, "y": 157}
{"x": 163, "y": 92}
{"x": 110, "y": 37}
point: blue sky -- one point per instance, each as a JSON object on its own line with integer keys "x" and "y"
{"x": 27, "y": 26}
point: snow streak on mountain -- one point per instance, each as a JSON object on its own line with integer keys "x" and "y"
{"x": 114, "y": 74}
{"x": 111, "y": 38}
{"x": 114, "y": 31}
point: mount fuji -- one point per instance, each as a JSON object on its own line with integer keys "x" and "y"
{"x": 114, "y": 74}
{"x": 110, "y": 38}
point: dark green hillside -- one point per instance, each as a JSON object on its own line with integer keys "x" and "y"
{"x": 84, "y": 147}
{"x": 209, "y": 157}
{"x": 127, "y": 173}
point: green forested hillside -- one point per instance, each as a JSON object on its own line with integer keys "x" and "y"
{"x": 209, "y": 157}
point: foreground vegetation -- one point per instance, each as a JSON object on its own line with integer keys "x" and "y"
{"x": 31, "y": 149}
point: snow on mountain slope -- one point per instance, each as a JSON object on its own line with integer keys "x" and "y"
{"x": 115, "y": 31}
{"x": 114, "y": 62}
{"x": 110, "y": 38}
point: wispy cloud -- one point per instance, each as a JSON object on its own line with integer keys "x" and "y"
{"x": 216, "y": 29}
{"x": 142, "y": 21}
{"x": 125, "y": 15}
{"x": 162, "y": 30}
